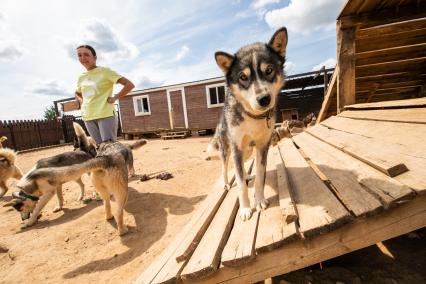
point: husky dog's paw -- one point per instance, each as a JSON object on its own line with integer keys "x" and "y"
{"x": 29, "y": 224}
{"x": 57, "y": 209}
{"x": 123, "y": 231}
{"x": 261, "y": 204}
{"x": 245, "y": 213}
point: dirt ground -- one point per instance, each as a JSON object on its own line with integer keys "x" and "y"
{"x": 78, "y": 246}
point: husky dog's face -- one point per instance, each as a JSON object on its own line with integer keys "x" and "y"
{"x": 21, "y": 204}
{"x": 255, "y": 73}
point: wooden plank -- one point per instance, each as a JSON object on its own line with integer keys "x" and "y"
{"x": 331, "y": 93}
{"x": 273, "y": 231}
{"x": 364, "y": 190}
{"x": 362, "y": 233}
{"x": 409, "y": 115}
{"x": 419, "y": 102}
{"x": 346, "y": 63}
{"x": 368, "y": 150}
{"x": 379, "y": 154}
{"x": 390, "y": 54}
{"x": 206, "y": 256}
{"x": 319, "y": 212}
{"x": 187, "y": 238}
{"x": 408, "y": 134}
{"x": 239, "y": 248}
{"x": 394, "y": 29}
{"x": 285, "y": 193}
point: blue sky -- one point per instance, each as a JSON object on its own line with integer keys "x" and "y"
{"x": 152, "y": 43}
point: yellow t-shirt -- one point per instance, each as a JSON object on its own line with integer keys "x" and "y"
{"x": 96, "y": 86}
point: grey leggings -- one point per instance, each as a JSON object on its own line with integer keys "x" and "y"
{"x": 103, "y": 129}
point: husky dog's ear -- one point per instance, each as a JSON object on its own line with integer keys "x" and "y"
{"x": 278, "y": 41}
{"x": 224, "y": 60}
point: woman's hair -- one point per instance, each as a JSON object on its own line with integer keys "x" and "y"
{"x": 92, "y": 50}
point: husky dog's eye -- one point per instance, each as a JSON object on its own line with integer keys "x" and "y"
{"x": 243, "y": 77}
{"x": 269, "y": 70}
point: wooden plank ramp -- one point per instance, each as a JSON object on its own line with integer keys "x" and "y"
{"x": 368, "y": 150}
{"x": 273, "y": 230}
{"x": 318, "y": 209}
{"x": 419, "y": 102}
{"x": 364, "y": 190}
{"x": 404, "y": 163}
{"x": 407, "y": 115}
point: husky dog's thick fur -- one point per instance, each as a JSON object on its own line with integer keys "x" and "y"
{"x": 109, "y": 175}
{"x": 254, "y": 77}
{"x": 8, "y": 169}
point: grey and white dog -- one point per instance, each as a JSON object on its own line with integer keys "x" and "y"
{"x": 254, "y": 77}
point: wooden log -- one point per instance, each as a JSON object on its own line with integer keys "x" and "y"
{"x": 363, "y": 233}
{"x": 368, "y": 150}
{"x": 346, "y": 63}
{"x": 273, "y": 231}
{"x": 319, "y": 212}
{"x": 364, "y": 190}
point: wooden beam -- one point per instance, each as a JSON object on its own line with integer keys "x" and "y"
{"x": 409, "y": 65}
{"x": 362, "y": 233}
{"x": 393, "y": 28}
{"x": 331, "y": 92}
{"x": 385, "y": 16}
{"x": 391, "y": 54}
{"x": 346, "y": 64}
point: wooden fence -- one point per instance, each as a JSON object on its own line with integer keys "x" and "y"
{"x": 30, "y": 134}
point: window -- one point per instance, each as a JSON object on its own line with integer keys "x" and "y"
{"x": 215, "y": 95}
{"x": 141, "y": 105}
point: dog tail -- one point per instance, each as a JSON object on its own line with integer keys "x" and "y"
{"x": 7, "y": 155}
{"x": 68, "y": 173}
{"x": 138, "y": 144}
{"x": 85, "y": 143}
{"x": 213, "y": 147}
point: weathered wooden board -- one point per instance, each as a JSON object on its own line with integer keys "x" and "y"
{"x": 239, "y": 248}
{"x": 409, "y": 115}
{"x": 408, "y": 134}
{"x": 378, "y": 154}
{"x": 363, "y": 189}
{"x": 319, "y": 210}
{"x": 273, "y": 231}
{"x": 362, "y": 233}
{"x": 420, "y": 102}
{"x": 368, "y": 150}
{"x": 206, "y": 257}
{"x": 285, "y": 194}
{"x": 166, "y": 263}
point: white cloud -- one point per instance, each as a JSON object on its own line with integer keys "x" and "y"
{"x": 289, "y": 67}
{"x": 305, "y": 16}
{"x": 50, "y": 87}
{"x": 262, "y": 3}
{"x": 104, "y": 39}
{"x": 182, "y": 52}
{"x": 328, "y": 63}
{"x": 145, "y": 82}
{"x": 10, "y": 50}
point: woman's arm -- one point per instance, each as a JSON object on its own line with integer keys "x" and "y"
{"x": 128, "y": 86}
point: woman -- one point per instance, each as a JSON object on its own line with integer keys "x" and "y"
{"x": 94, "y": 93}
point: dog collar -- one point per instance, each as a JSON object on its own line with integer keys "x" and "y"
{"x": 31, "y": 197}
{"x": 266, "y": 115}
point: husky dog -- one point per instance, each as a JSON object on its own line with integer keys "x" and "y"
{"x": 109, "y": 175}
{"x": 254, "y": 77}
{"x": 8, "y": 169}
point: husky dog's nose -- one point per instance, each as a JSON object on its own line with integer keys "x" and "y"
{"x": 264, "y": 100}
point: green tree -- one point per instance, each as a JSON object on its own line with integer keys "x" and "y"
{"x": 49, "y": 113}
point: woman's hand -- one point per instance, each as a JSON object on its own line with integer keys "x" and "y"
{"x": 112, "y": 99}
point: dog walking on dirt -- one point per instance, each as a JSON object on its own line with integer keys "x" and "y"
{"x": 254, "y": 78}
{"x": 109, "y": 175}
